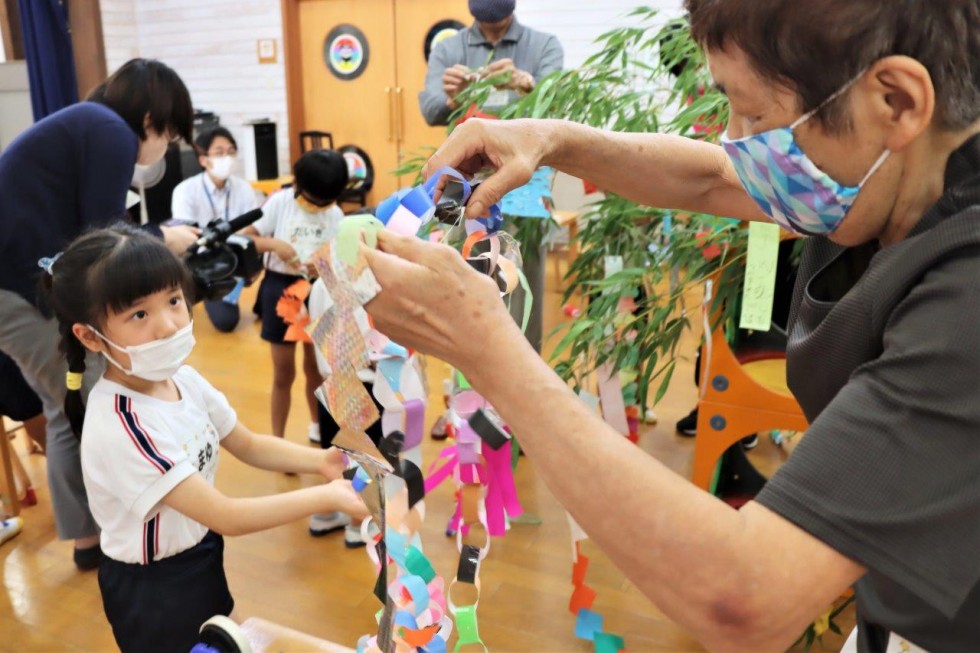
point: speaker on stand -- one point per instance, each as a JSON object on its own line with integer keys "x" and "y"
{"x": 260, "y": 150}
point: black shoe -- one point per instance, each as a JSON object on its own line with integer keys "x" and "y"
{"x": 749, "y": 441}
{"x": 689, "y": 425}
{"x": 88, "y": 558}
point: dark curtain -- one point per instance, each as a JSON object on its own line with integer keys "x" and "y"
{"x": 50, "y": 60}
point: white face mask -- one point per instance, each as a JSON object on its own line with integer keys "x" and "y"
{"x": 157, "y": 360}
{"x": 149, "y": 175}
{"x": 221, "y": 167}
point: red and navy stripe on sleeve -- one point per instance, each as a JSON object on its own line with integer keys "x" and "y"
{"x": 151, "y": 539}
{"x": 140, "y": 436}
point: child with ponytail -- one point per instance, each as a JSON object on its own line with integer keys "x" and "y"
{"x": 150, "y": 436}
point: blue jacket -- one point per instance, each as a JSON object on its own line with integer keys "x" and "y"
{"x": 69, "y": 172}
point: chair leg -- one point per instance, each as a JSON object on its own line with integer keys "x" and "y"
{"x": 10, "y": 485}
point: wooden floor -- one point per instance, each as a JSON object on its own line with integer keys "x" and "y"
{"x": 320, "y": 587}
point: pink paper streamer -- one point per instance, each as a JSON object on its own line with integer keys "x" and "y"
{"x": 501, "y": 491}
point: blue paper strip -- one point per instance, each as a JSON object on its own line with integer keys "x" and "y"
{"x": 588, "y": 624}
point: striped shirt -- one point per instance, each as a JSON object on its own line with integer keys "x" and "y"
{"x": 136, "y": 449}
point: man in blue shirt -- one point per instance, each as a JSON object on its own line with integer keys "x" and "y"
{"x": 68, "y": 173}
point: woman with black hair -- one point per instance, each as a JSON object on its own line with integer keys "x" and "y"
{"x": 67, "y": 173}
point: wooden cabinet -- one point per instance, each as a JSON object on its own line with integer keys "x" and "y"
{"x": 378, "y": 109}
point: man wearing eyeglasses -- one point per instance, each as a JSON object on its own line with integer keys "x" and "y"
{"x": 215, "y": 194}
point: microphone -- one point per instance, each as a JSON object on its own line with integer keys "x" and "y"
{"x": 219, "y": 230}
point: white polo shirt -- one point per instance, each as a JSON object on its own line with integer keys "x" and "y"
{"x": 135, "y": 449}
{"x": 283, "y": 219}
{"x": 198, "y": 199}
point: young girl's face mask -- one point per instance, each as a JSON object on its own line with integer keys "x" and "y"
{"x": 157, "y": 360}
{"x": 308, "y": 205}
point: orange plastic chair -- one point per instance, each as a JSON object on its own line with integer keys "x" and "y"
{"x": 738, "y": 398}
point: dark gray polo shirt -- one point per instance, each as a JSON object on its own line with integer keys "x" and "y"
{"x": 884, "y": 358}
{"x": 535, "y": 52}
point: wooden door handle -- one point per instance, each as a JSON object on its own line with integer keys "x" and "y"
{"x": 400, "y": 128}
{"x": 391, "y": 115}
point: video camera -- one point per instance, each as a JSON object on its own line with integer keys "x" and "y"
{"x": 220, "y": 257}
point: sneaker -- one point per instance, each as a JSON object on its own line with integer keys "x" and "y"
{"x": 352, "y": 537}
{"x": 10, "y": 528}
{"x": 314, "y": 433}
{"x": 439, "y": 429}
{"x": 689, "y": 425}
{"x": 88, "y": 558}
{"x": 750, "y": 441}
{"x": 650, "y": 416}
{"x": 329, "y": 522}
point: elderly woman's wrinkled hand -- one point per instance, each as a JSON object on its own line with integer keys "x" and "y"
{"x": 513, "y": 149}
{"x": 434, "y": 302}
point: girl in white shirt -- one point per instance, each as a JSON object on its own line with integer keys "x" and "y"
{"x": 150, "y": 442}
{"x": 295, "y": 223}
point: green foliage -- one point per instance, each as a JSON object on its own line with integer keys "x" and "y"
{"x": 627, "y": 86}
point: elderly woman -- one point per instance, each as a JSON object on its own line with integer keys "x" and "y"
{"x": 854, "y": 122}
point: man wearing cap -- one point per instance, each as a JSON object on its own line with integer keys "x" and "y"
{"x": 496, "y": 44}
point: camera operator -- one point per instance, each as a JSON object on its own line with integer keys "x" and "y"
{"x": 215, "y": 194}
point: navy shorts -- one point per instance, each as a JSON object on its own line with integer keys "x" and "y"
{"x": 161, "y": 606}
{"x": 270, "y": 292}
{"x": 329, "y": 427}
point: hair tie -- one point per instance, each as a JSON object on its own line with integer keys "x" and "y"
{"x": 47, "y": 263}
{"x": 73, "y": 380}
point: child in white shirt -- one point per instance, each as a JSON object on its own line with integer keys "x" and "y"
{"x": 296, "y": 223}
{"x": 150, "y": 442}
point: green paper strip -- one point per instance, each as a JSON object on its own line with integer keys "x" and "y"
{"x": 349, "y": 235}
{"x": 462, "y": 382}
{"x": 417, "y": 564}
{"x": 467, "y": 631}
{"x": 760, "y": 276}
{"x": 608, "y": 643}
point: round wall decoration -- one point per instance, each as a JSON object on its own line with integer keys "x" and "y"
{"x": 441, "y": 31}
{"x": 359, "y": 167}
{"x": 346, "y": 52}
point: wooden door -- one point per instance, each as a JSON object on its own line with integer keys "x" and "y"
{"x": 358, "y": 111}
{"x": 413, "y": 19}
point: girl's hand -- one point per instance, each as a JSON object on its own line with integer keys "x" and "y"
{"x": 340, "y": 495}
{"x": 286, "y": 254}
{"x": 334, "y": 463}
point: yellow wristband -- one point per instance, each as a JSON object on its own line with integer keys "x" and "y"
{"x": 73, "y": 380}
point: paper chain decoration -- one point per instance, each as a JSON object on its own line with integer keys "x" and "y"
{"x": 414, "y": 616}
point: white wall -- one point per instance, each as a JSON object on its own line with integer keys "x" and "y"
{"x": 15, "y": 101}
{"x": 577, "y": 25}
{"x": 119, "y": 32}
{"x": 212, "y": 45}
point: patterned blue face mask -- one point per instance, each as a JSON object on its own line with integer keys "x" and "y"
{"x": 787, "y": 185}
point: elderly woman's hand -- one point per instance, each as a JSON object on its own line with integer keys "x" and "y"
{"x": 434, "y": 302}
{"x": 513, "y": 148}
